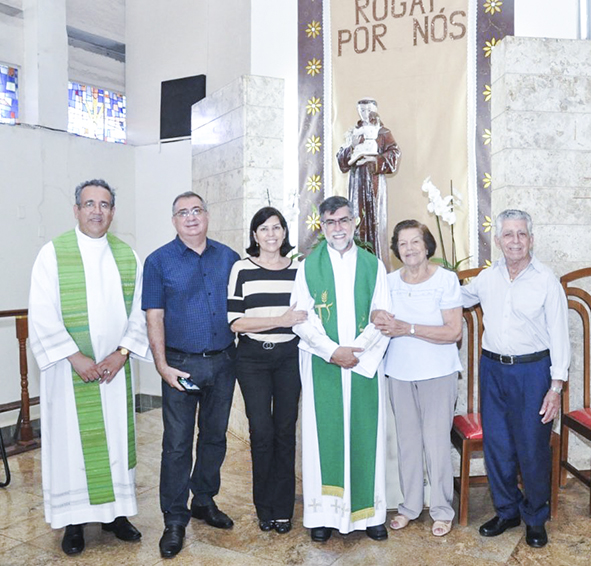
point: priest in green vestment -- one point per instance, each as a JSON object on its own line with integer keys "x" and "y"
{"x": 343, "y": 389}
{"x": 85, "y": 321}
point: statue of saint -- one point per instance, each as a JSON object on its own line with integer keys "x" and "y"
{"x": 369, "y": 152}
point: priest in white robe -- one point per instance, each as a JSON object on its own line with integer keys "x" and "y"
{"x": 343, "y": 384}
{"x": 85, "y": 321}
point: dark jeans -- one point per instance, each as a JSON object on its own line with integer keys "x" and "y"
{"x": 178, "y": 414}
{"x": 515, "y": 438}
{"x": 270, "y": 383}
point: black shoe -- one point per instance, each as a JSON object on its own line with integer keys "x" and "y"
{"x": 378, "y": 532}
{"x": 320, "y": 534}
{"x": 123, "y": 529}
{"x": 171, "y": 542}
{"x": 497, "y": 526}
{"x": 212, "y": 516}
{"x": 73, "y": 541}
{"x": 283, "y": 527}
{"x": 536, "y": 536}
{"x": 266, "y": 526}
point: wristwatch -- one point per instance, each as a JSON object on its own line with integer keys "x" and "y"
{"x": 123, "y": 351}
{"x": 412, "y": 329}
{"x": 556, "y": 389}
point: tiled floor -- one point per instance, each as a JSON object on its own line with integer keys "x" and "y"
{"x": 26, "y": 540}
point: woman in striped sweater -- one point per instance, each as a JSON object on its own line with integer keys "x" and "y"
{"x": 267, "y": 363}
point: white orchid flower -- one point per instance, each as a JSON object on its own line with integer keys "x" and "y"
{"x": 457, "y": 197}
{"x": 449, "y": 217}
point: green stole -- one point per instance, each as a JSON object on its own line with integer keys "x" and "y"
{"x": 328, "y": 392}
{"x": 74, "y": 307}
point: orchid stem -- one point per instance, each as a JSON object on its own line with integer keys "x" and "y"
{"x": 441, "y": 240}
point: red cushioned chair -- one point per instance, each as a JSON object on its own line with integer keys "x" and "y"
{"x": 578, "y": 421}
{"x": 466, "y": 433}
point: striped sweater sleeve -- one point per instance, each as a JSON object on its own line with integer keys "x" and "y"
{"x": 235, "y": 294}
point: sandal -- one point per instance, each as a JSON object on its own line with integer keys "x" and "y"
{"x": 399, "y": 522}
{"x": 441, "y": 528}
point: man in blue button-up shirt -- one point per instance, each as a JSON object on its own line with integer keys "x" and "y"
{"x": 184, "y": 296}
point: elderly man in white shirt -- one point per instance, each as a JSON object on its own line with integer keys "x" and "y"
{"x": 525, "y": 359}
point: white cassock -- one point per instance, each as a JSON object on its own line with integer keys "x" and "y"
{"x": 327, "y": 510}
{"x": 65, "y": 492}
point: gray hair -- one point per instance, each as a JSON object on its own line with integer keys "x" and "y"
{"x": 188, "y": 194}
{"x": 513, "y": 214}
{"x": 93, "y": 183}
{"x": 332, "y": 204}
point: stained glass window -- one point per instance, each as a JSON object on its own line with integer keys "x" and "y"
{"x": 8, "y": 94}
{"x": 96, "y": 113}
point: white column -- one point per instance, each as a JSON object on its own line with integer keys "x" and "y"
{"x": 45, "y": 70}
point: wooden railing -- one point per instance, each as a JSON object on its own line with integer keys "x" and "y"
{"x": 24, "y": 438}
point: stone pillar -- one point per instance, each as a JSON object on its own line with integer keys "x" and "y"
{"x": 45, "y": 71}
{"x": 541, "y": 161}
{"x": 237, "y": 139}
{"x": 541, "y": 143}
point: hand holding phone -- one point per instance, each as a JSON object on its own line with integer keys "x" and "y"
{"x": 188, "y": 385}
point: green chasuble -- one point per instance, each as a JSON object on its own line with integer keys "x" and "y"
{"x": 328, "y": 393}
{"x": 74, "y": 307}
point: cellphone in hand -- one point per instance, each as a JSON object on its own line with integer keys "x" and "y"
{"x": 188, "y": 385}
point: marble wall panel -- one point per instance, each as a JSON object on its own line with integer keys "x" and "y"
{"x": 263, "y": 91}
{"x": 526, "y": 55}
{"x": 228, "y": 185}
{"x": 218, "y": 104}
{"x": 217, "y": 132}
{"x": 550, "y": 206}
{"x": 583, "y": 131}
{"x": 264, "y": 183}
{"x": 221, "y": 158}
{"x": 547, "y": 93}
{"x": 498, "y": 103}
{"x": 563, "y": 243}
{"x": 540, "y": 168}
{"x": 263, "y": 152}
{"x": 552, "y": 130}
{"x": 264, "y": 121}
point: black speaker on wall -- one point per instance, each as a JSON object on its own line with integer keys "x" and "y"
{"x": 176, "y": 98}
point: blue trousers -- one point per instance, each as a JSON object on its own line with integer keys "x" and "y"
{"x": 515, "y": 438}
{"x": 178, "y": 474}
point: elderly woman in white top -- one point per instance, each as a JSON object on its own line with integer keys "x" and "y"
{"x": 422, "y": 363}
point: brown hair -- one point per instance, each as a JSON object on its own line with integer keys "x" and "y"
{"x": 428, "y": 238}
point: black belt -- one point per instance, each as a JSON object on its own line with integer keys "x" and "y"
{"x": 510, "y": 360}
{"x": 207, "y": 354}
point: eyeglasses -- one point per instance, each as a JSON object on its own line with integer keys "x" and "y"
{"x": 185, "y": 212}
{"x": 90, "y": 204}
{"x": 345, "y": 222}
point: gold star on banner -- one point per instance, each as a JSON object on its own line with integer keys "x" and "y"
{"x": 487, "y": 93}
{"x": 314, "y": 105}
{"x": 487, "y": 224}
{"x": 313, "y": 29}
{"x": 313, "y": 221}
{"x": 486, "y": 181}
{"x": 489, "y": 46}
{"x": 492, "y": 6}
{"x": 313, "y": 144}
{"x": 314, "y": 66}
{"x": 314, "y": 183}
{"x": 487, "y": 136}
